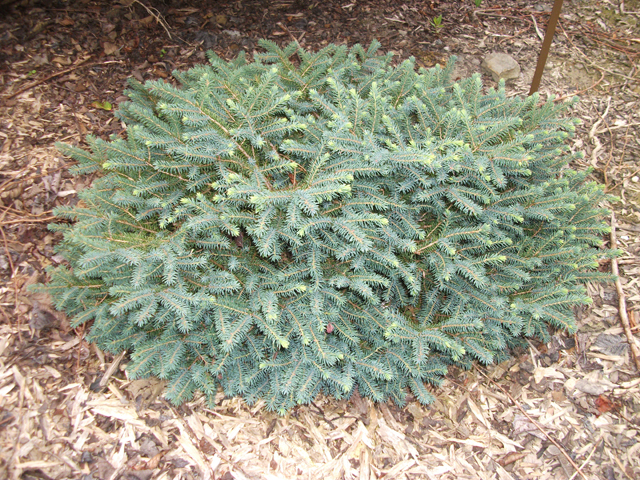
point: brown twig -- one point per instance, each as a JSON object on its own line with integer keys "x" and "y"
{"x": 595, "y": 446}
{"x": 57, "y": 74}
{"x": 293, "y": 37}
{"x": 13, "y": 275}
{"x": 155, "y": 14}
{"x": 27, "y": 220}
{"x": 536, "y": 424}
{"x": 564, "y": 97}
{"x": 622, "y": 300}
{"x": 589, "y": 61}
{"x": 624, "y": 149}
{"x": 111, "y": 370}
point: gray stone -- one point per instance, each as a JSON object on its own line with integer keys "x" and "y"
{"x": 501, "y": 66}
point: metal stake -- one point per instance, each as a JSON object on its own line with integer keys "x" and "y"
{"x": 546, "y": 46}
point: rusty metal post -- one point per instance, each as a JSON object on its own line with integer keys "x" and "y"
{"x": 546, "y": 46}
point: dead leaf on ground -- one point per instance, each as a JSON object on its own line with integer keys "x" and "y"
{"x": 110, "y": 48}
{"x": 102, "y": 105}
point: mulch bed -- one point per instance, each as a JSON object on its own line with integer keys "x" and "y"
{"x": 566, "y": 409}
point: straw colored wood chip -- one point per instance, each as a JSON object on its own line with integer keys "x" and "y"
{"x": 53, "y": 426}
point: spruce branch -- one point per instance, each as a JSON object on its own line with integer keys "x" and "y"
{"x": 313, "y": 222}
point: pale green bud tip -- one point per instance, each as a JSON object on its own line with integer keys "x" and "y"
{"x": 285, "y": 343}
{"x": 302, "y": 288}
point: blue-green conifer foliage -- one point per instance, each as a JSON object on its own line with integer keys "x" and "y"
{"x": 325, "y": 222}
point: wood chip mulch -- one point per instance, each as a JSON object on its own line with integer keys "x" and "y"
{"x": 567, "y": 409}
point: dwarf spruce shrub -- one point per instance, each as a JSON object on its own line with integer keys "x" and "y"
{"x": 325, "y": 222}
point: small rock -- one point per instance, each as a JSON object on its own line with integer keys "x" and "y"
{"x": 501, "y": 66}
{"x": 86, "y": 457}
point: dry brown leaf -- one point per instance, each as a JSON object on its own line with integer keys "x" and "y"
{"x": 110, "y": 48}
